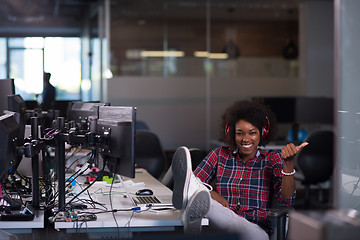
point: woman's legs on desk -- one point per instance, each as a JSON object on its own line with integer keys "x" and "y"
{"x": 192, "y": 197}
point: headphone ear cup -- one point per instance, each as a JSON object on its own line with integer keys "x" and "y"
{"x": 264, "y": 133}
{"x": 226, "y": 130}
{"x": 265, "y": 129}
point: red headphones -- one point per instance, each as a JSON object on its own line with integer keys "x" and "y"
{"x": 264, "y": 132}
{"x": 266, "y": 129}
{"x": 226, "y": 130}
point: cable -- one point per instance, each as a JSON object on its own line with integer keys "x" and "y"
{"x": 76, "y": 160}
{"x": 114, "y": 210}
{"x": 128, "y": 223}
{"x": 356, "y": 185}
{"x": 111, "y": 206}
{"x": 17, "y": 191}
{"x": 70, "y": 179}
{"x": 92, "y": 183}
{"x": 101, "y": 204}
{"x": 49, "y": 133}
{"x": 137, "y": 209}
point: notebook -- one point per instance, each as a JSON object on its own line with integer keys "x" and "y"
{"x": 152, "y": 201}
{"x": 148, "y": 201}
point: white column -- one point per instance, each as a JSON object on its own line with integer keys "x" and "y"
{"x": 316, "y": 48}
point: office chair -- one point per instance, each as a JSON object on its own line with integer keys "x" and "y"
{"x": 279, "y": 220}
{"x": 316, "y": 161}
{"x": 149, "y": 153}
{"x": 141, "y": 125}
{"x": 278, "y": 214}
{"x": 197, "y": 156}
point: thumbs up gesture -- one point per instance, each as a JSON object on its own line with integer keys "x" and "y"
{"x": 290, "y": 150}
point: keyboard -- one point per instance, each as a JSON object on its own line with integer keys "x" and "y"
{"x": 147, "y": 200}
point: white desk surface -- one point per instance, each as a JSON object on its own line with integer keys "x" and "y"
{"x": 38, "y": 222}
{"x": 157, "y": 220}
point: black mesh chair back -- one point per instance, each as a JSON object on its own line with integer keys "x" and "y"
{"x": 316, "y": 160}
{"x": 197, "y": 156}
{"x": 149, "y": 153}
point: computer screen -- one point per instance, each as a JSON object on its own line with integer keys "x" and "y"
{"x": 118, "y": 152}
{"x": 6, "y": 88}
{"x": 309, "y": 110}
{"x": 9, "y": 133}
{"x": 283, "y": 107}
{"x": 315, "y": 110}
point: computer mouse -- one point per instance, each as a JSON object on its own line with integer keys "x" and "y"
{"x": 144, "y": 192}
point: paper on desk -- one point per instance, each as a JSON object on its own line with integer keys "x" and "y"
{"x": 127, "y": 184}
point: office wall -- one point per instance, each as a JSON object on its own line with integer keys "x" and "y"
{"x": 175, "y": 108}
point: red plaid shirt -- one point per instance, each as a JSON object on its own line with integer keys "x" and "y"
{"x": 249, "y": 186}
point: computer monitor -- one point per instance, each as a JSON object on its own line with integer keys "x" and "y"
{"x": 302, "y": 110}
{"x": 25, "y": 166}
{"x": 79, "y": 111}
{"x": 282, "y": 107}
{"x": 315, "y": 110}
{"x": 17, "y": 107}
{"x": 16, "y": 103}
{"x": 9, "y": 133}
{"x": 118, "y": 152}
{"x": 6, "y": 88}
{"x": 63, "y": 106}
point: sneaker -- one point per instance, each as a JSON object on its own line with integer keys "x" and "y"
{"x": 196, "y": 209}
{"x": 185, "y": 182}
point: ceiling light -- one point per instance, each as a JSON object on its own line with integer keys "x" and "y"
{"x": 162, "y": 54}
{"x": 211, "y": 55}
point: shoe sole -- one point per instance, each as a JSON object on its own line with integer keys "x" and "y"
{"x": 181, "y": 172}
{"x": 197, "y": 208}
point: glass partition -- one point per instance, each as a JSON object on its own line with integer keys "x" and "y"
{"x": 174, "y": 40}
{"x": 347, "y": 191}
{"x": 27, "y": 69}
{"x": 29, "y": 57}
{"x": 3, "y": 59}
{"x": 192, "y": 58}
{"x": 63, "y": 61}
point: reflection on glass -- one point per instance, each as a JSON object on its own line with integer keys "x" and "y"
{"x": 62, "y": 60}
{"x": 95, "y": 69}
{"x": 135, "y": 65}
{"x": 28, "y": 42}
{"x": 2, "y": 58}
{"x": 350, "y": 166}
{"x": 26, "y": 67}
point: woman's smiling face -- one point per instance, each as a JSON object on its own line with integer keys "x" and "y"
{"x": 247, "y": 138}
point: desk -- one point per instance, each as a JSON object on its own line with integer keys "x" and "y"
{"x": 23, "y": 226}
{"x": 127, "y": 222}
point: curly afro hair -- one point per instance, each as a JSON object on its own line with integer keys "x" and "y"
{"x": 253, "y": 112}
